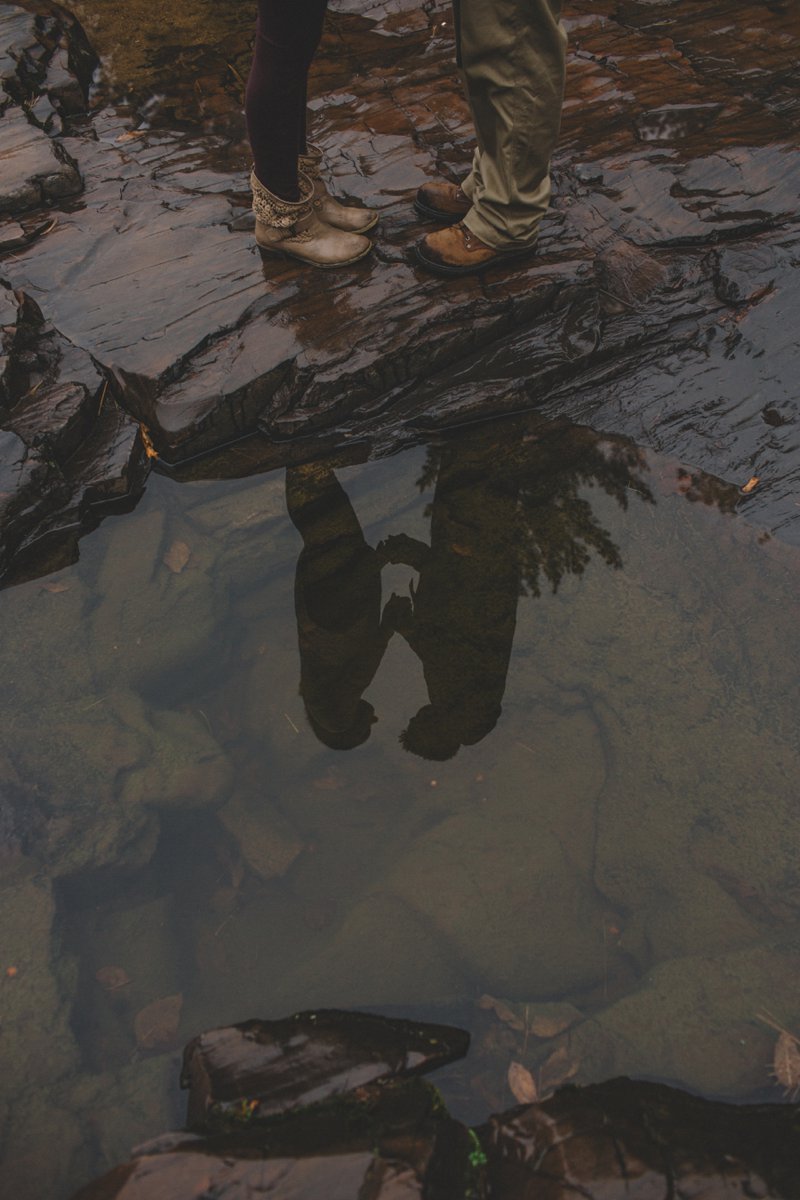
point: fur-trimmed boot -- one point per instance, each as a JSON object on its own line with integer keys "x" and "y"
{"x": 328, "y": 208}
{"x": 294, "y": 228}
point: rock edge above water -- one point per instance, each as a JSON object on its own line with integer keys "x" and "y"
{"x": 660, "y": 305}
{"x": 375, "y": 1130}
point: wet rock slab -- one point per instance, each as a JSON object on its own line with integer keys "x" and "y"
{"x": 282, "y": 1065}
{"x": 65, "y": 450}
{"x": 680, "y": 134}
{"x": 33, "y": 168}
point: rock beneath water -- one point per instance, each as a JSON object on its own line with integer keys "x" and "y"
{"x": 150, "y": 622}
{"x": 265, "y": 839}
{"x": 186, "y": 768}
{"x": 279, "y": 1066}
{"x": 693, "y": 1019}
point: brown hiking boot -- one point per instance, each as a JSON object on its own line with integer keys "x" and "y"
{"x": 442, "y": 201}
{"x": 457, "y": 251}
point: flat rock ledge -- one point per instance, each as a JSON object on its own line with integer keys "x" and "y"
{"x": 137, "y": 314}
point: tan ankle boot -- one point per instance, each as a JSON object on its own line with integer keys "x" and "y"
{"x": 293, "y": 228}
{"x": 329, "y": 209}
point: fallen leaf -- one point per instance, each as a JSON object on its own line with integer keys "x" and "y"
{"x": 112, "y": 978}
{"x": 557, "y": 1070}
{"x": 548, "y": 1020}
{"x": 786, "y": 1063}
{"x": 12, "y": 972}
{"x": 147, "y": 442}
{"x": 503, "y": 1012}
{"x": 55, "y": 586}
{"x": 462, "y": 551}
{"x": 177, "y": 557}
{"x": 750, "y": 486}
{"x": 522, "y": 1084}
{"x": 156, "y": 1025}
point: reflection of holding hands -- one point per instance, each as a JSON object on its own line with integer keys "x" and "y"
{"x": 400, "y": 548}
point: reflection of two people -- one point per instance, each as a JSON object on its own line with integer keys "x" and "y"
{"x": 505, "y": 511}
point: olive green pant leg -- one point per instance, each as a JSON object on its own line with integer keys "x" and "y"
{"x": 512, "y": 55}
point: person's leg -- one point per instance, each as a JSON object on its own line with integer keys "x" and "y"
{"x": 287, "y": 36}
{"x": 512, "y": 54}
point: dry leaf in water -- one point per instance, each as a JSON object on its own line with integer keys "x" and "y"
{"x": 522, "y": 1084}
{"x": 557, "y": 1070}
{"x": 750, "y": 486}
{"x": 177, "y": 557}
{"x": 503, "y": 1012}
{"x": 548, "y": 1020}
{"x": 112, "y": 978}
{"x": 156, "y": 1025}
{"x": 54, "y": 586}
{"x": 786, "y": 1064}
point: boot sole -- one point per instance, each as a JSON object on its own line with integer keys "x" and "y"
{"x": 366, "y": 228}
{"x": 306, "y": 262}
{"x": 503, "y": 257}
{"x": 435, "y": 214}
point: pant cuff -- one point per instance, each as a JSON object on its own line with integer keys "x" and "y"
{"x": 477, "y": 224}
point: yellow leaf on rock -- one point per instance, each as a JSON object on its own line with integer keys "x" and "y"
{"x": 522, "y": 1084}
{"x": 751, "y": 485}
{"x": 177, "y": 557}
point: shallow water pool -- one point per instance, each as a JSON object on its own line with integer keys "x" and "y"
{"x": 500, "y": 730}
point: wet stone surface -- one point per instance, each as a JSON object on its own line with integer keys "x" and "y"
{"x": 679, "y": 137}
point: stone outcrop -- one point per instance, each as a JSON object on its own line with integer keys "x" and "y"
{"x": 387, "y": 1136}
{"x": 670, "y": 251}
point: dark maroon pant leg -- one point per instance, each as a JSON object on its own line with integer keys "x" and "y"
{"x": 287, "y": 35}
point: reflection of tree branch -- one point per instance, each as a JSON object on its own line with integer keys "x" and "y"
{"x": 555, "y": 530}
{"x": 706, "y": 489}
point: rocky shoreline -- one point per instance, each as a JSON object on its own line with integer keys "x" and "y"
{"x": 660, "y": 306}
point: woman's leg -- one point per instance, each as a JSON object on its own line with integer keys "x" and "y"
{"x": 287, "y": 36}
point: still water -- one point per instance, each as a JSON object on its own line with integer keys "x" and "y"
{"x": 508, "y": 718}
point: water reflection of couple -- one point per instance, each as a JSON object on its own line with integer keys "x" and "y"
{"x": 506, "y": 512}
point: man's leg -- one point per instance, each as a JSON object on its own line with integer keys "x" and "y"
{"x": 512, "y": 55}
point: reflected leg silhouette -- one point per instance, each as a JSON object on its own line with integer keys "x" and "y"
{"x": 462, "y": 614}
{"x": 341, "y": 635}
